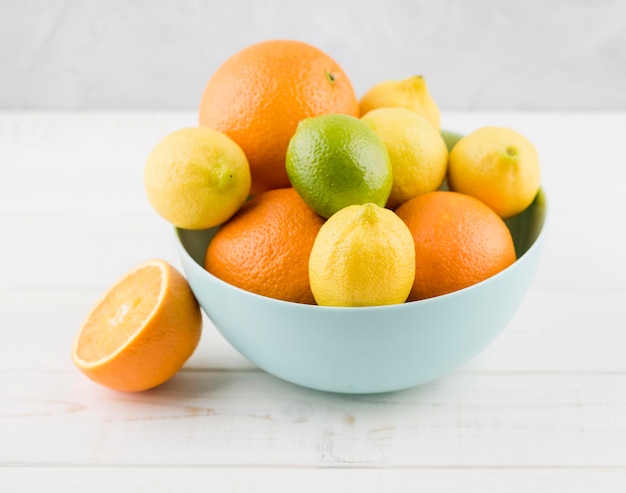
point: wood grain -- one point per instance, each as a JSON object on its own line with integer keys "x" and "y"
{"x": 208, "y": 418}
{"x": 235, "y": 479}
{"x": 542, "y": 409}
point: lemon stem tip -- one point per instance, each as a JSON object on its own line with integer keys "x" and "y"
{"x": 510, "y": 151}
{"x": 222, "y": 177}
{"x": 416, "y": 82}
{"x": 369, "y": 213}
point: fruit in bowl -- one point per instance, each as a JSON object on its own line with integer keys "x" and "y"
{"x": 374, "y": 348}
{"x": 343, "y": 245}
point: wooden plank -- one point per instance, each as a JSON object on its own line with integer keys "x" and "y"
{"x": 47, "y": 320}
{"x": 79, "y": 251}
{"x": 78, "y": 162}
{"x": 192, "y": 479}
{"x": 83, "y": 251}
{"x": 552, "y": 331}
{"x": 96, "y": 159}
{"x": 240, "y": 418}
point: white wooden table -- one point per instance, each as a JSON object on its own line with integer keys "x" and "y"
{"x": 543, "y": 409}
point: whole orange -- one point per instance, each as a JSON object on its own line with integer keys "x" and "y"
{"x": 258, "y": 96}
{"x": 265, "y": 247}
{"x": 459, "y": 241}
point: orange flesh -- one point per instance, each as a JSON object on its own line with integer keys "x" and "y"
{"x": 120, "y": 315}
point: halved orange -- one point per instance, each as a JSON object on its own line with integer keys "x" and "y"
{"x": 142, "y": 330}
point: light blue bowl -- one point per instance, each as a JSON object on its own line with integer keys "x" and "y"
{"x": 367, "y": 349}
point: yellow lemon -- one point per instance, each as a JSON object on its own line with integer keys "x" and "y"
{"x": 498, "y": 166}
{"x": 417, "y": 151}
{"x": 197, "y": 178}
{"x": 364, "y": 255}
{"x": 411, "y": 93}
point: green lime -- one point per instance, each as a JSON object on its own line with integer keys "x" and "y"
{"x": 336, "y": 160}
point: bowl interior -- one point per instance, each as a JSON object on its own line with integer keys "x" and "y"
{"x": 525, "y": 229}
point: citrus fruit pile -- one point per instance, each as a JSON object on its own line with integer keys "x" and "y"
{"x": 343, "y": 202}
{"x": 318, "y": 197}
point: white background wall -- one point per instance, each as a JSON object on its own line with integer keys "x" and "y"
{"x": 482, "y": 54}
